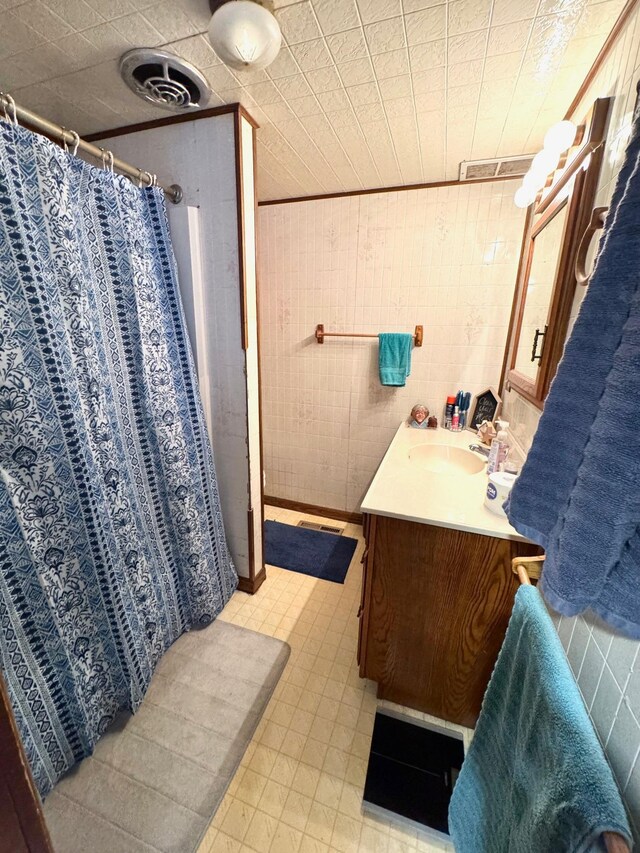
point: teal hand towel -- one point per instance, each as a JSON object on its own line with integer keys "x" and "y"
{"x": 394, "y": 357}
{"x": 535, "y": 778}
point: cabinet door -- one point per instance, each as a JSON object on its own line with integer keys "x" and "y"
{"x": 437, "y": 605}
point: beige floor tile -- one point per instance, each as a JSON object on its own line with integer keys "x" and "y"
{"x": 299, "y": 786}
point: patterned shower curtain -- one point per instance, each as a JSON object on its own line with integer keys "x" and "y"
{"x": 111, "y": 535}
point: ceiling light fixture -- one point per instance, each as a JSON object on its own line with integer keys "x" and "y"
{"x": 244, "y": 33}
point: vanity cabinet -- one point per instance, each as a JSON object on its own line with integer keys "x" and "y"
{"x": 434, "y": 610}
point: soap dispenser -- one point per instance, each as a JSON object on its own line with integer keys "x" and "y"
{"x": 499, "y": 448}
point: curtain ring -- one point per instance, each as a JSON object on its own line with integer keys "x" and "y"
{"x": 154, "y": 181}
{"x": 147, "y": 177}
{"x": 64, "y": 138}
{"x": 107, "y": 160}
{"x": 140, "y": 174}
{"x": 76, "y": 142}
{"x": 9, "y": 104}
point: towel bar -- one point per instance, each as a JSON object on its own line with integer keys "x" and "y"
{"x": 527, "y": 568}
{"x": 321, "y": 335}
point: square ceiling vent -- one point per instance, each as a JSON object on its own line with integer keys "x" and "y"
{"x": 502, "y": 167}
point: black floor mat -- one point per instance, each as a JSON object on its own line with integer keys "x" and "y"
{"x": 412, "y": 771}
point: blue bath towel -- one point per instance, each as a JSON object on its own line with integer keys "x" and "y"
{"x": 535, "y": 778}
{"x": 578, "y": 494}
{"x": 394, "y": 357}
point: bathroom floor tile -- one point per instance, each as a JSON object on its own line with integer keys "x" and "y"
{"x": 300, "y": 783}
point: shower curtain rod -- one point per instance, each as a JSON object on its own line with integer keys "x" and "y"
{"x": 15, "y": 113}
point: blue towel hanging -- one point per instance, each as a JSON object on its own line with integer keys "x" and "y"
{"x": 578, "y": 494}
{"x": 535, "y": 778}
{"x": 394, "y": 357}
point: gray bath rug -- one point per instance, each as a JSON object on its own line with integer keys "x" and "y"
{"x": 156, "y": 778}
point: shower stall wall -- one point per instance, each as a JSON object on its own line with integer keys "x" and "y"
{"x": 211, "y": 155}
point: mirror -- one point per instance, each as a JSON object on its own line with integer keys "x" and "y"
{"x": 546, "y": 285}
{"x": 546, "y": 238}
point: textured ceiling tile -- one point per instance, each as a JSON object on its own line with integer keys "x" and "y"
{"x": 396, "y": 87}
{"x": 429, "y": 81}
{"x": 172, "y": 21}
{"x": 293, "y": 87}
{"x": 138, "y": 30}
{"x": 468, "y": 46}
{"x": 264, "y": 93}
{"x": 427, "y": 25}
{"x": 42, "y": 20}
{"x": 507, "y": 11}
{"x": 365, "y": 93}
{"x": 284, "y": 64}
{"x": 426, "y": 56}
{"x": 391, "y": 64}
{"x": 377, "y": 10}
{"x": 430, "y": 101}
{"x": 220, "y": 78}
{"x": 468, "y": 15}
{"x": 324, "y": 79}
{"x": 305, "y": 106}
{"x": 370, "y": 113}
{"x": 465, "y": 73}
{"x": 356, "y": 72}
{"x": 384, "y": 36}
{"x": 503, "y": 67}
{"x": 76, "y": 13}
{"x": 508, "y": 38}
{"x": 544, "y": 48}
{"x": 336, "y": 15}
{"x": 399, "y": 107}
{"x": 333, "y": 101}
{"x": 347, "y": 45}
{"x": 298, "y": 23}
{"x": 311, "y": 54}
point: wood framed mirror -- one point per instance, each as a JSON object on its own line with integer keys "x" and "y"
{"x": 546, "y": 278}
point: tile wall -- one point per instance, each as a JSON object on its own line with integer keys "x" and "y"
{"x": 444, "y": 257}
{"x": 607, "y": 667}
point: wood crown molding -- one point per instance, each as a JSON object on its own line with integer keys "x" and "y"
{"x": 395, "y": 189}
{"x": 211, "y": 112}
{"x": 604, "y": 52}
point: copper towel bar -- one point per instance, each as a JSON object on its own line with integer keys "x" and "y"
{"x": 321, "y": 335}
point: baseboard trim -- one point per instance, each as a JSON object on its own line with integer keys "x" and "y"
{"x": 312, "y": 509}
{"x": 252, "y": 585}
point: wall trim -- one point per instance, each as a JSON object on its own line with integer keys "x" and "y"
{"x": 313, "y": 509}
{"x": 395, "y": 189}
{"x": 211, "y": 112}
{"x": 605, "y": 50}
{"x": 252, "y": 585}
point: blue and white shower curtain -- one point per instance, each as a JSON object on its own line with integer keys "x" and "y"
{"x": 111, "y": 535}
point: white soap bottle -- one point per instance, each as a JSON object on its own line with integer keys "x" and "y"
{"x": 499, "y": 448}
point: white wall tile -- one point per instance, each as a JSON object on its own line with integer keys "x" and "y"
{"x": 381, "y": 262}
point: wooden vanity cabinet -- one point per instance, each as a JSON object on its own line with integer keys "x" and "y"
{"x": 434, "y": 610}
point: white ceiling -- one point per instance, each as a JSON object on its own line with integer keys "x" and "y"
{"x": 365, "y": 93}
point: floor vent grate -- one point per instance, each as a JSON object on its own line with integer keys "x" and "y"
{"x": 325, "y": 528}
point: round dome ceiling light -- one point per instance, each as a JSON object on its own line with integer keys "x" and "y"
{"x": 244, "y": 33}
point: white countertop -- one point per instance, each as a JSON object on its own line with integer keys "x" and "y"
{"x": 403, "y": 488}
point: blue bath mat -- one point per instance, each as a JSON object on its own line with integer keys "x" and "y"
{"x": 310, "y": 552}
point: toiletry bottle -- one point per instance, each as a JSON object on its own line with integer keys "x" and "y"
{"x": 499, "y": 448}
{"x": 455, "y": 419}
{"x": 448, "y": 412}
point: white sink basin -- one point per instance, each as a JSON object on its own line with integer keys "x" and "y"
{"x": 444, "y": 459}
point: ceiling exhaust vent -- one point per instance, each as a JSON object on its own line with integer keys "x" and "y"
{"x": 165, "y": 80}
{"x": 504, "y": 167}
